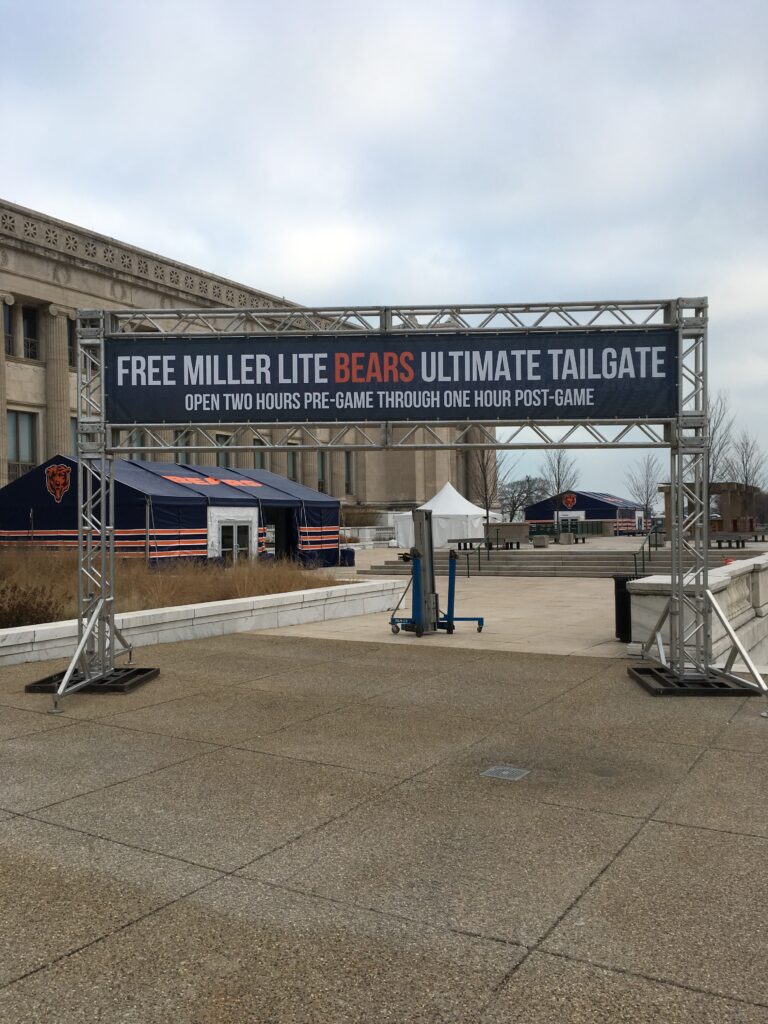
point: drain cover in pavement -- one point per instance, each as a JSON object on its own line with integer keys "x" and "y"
{"x": 506, "y": 771}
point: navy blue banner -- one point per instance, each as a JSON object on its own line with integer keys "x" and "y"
{"x": 574, "y": 375}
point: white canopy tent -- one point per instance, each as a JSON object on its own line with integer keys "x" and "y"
{"x": 452, "y": 517}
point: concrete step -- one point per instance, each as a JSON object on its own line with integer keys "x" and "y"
{"x": 594, "y": 565}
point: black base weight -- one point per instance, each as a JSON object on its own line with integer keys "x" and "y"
{"x": 660, "y": 682}
{"x": 122, "y": 680}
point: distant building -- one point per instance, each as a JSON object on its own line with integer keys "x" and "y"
{"x": 733, "y": 508}
{"x": 49, "y": 269}
{"x": 620, "y": 515}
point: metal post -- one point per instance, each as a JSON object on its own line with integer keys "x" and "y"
{"x": 422, "y": 532}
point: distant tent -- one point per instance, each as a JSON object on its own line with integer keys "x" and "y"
{"x": 167, "y": 510}
{"x": 623, "y": 515}
{"x": 453, "y": 516}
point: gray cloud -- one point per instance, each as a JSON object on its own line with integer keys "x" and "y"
{"x": 417, "y": 152}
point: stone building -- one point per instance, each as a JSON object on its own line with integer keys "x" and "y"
{"x": 732, "y": 507}
{"x": 49, "y": 269}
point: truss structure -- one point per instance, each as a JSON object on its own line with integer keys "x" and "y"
{"x": 99, "y": 442}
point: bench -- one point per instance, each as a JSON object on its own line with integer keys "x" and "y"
{"x": 466, "y": 543}
{"x": 507, "y": 535}
{"x": 731, "y": 539}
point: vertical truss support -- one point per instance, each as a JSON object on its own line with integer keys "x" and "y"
{"x": 689, "y": 612}
{"x": 691, "y": 603}
{"x": 94, "y": 658}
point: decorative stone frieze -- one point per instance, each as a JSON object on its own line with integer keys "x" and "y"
{"x": 20, "y": 227}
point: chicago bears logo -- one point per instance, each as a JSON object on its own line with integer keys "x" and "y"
{"x": 57, "y": 480}
{"x": 569, "y": 500}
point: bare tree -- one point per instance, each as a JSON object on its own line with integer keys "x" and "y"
{"x": 642, "y": 482}
{"x": 558, "y": 471}
{"x": 516, "y": 495}
{"x": 720, "y": 420}
{"x": 487, "y": 473}
{"x": 746, "y": 462}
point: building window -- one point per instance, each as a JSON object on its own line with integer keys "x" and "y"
{"x": 7, "y": 330}
{"x": 72, "y": 343}
{"x": 322, "y": 465}
{"x": 349, "y": 476}
{"x": 29, "y": 319}
{"x": 293, "y": 465}
{"x": 22, "y": 443}
{"x": 258, "y": 457}
{"x": 223, "y": 457}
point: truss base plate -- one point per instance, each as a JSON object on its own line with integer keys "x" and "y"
{"x": 661, "y": 682}
{"x": 122, "y": 680}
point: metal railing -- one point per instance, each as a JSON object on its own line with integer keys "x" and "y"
{"x": 31, "y": 348}
{"x": 645, "y": 554}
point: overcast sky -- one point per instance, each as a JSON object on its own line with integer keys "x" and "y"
{"x": 360, "y": 152}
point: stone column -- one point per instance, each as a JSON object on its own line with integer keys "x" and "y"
{"x": 17, "y": 329}
{"x": 161, "y": 455}
{"x": 57, "y": 413}
{"x": 309, "y": 469}
{"x": 8, "y": 301}
{"x": 337, "y": 488}
{"x": 278, "y": 462}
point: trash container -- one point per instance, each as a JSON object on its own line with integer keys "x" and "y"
{"x": 623, "y": 607}
{"x": 346, "y": 556}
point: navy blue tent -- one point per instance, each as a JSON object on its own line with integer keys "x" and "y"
{"x": 626, "y": 515}
{"x": 162, "y": 509}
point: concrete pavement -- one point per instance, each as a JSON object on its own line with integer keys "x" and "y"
{"x": 291, "y": 829}
{"x": 546, "y": 616}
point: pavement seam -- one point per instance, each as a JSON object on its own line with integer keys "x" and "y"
{"x": 119, "y": 782}
{"x": 110, "y": 934}
{"x": 189, "y": 739}
{"x": 371, "y": 799}
{"x": 659, "y": 980}
{"x": 36, "y": 732}
{"x": 85, "y": 718}
{"x": 120, "y": 842}
{"x": 643, "y": 824}
{"x": 391, "y": 914}
{"x": 530, "y": 950}
{"x": 707, "y": 828}
{"x": 391, "y": 789}
{"x": 315, "y": 764}
{"x": 741, "y": 705}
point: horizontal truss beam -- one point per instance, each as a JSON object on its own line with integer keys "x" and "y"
{"x": 490, "y": 318}
{"x": 466, "y": 436}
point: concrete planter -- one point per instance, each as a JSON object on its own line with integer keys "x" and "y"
{"x": 741, "y": 590}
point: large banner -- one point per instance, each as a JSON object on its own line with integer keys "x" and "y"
{"x": 571, "y": 375}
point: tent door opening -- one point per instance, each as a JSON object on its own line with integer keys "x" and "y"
{"x": 285, "y": 535}
{"x": 235, "y": 541}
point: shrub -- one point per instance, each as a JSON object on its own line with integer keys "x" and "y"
{"x": 26, "y": 606}
{"x": 41, "y": 586}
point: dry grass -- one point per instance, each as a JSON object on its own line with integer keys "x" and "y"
{"x": 44, "y": 583}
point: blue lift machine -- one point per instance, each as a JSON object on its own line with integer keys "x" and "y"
{"x": 425, "y": 614}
